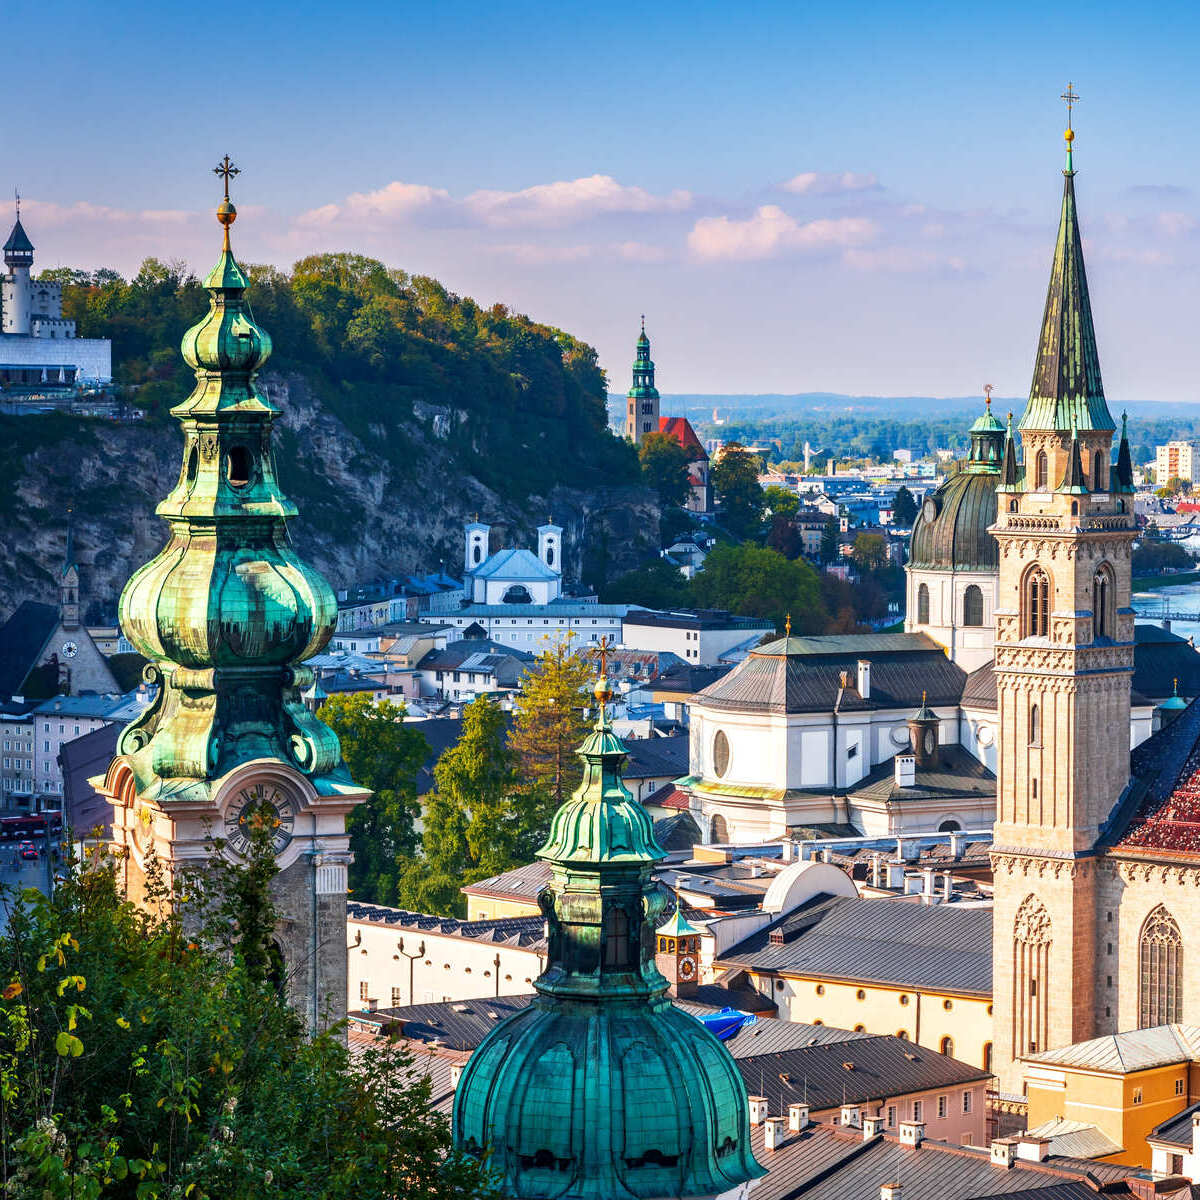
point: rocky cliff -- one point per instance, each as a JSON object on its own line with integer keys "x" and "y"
{"x": 388, "y": 498}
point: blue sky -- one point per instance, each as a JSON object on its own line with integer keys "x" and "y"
{"x": 857, "y": 198}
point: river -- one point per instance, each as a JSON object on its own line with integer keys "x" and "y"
{"x": 1150, "y": 605}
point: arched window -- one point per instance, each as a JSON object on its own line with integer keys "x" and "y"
{"x": 1036, "y": 614}
{"x": 1098, "y": 480}
{"x": 987, "y": 1056}
{"x": 923, "y": 605}
{"x": 1035, "y": 725}
{"x": 718, "y": 830}
{"x": 616, "y": 938}
{"x": 1102, "y": 598}
{"x": 517, "y": 593}
{"x": 1160, "y": 971}
{"x": 947, "y": 1047}
{"x": 949, "y": 827}
{"x": 1041, "y": 474}
{"x": 1014, "y": 506}
{"x": 477, "y": 552}
{"x": 973, "y": 606}
{"x": 1031, "y": 977}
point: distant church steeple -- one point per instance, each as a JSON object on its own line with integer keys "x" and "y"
{"x": 68, "y": 587}
{"x": 641, "y": 413}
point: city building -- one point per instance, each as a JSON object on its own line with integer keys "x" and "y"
{"x": 700, "y": 489}
{"x": 228, "y": 745}
{"x": 514, "y": 575}
{"x": 641, "y": 402}
{"x": 471, "y": 667}
{"x": 700, "y": 637}
{"x": 537, "y": 627}
{"x": 38, "y": 346}
{"x": 17, "y": 776}
{"x": 1177, "y": 460}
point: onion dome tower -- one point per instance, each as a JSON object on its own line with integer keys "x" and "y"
{"x": 601, "y": 1089}
{"x": 641, "y": 409}
{"x": 226, "y": 614}
{"x": 953, "y": 562}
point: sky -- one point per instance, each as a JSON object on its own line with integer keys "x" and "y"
{"x": 858, "y": 197}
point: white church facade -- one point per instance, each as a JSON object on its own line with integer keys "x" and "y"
{"x": 38, "y": 345}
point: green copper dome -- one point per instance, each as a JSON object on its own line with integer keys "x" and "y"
{"x": 601, "y": 1089}
{"x": 227, "y": 611}
{"x": 643, "y": 371}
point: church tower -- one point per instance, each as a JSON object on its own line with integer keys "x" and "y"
{"x": 68, "y": 587}
{"x": 227, "y": 613}
{"x": 15, "y": 296}
{"x": 1064, "y": 662}
{"x": 641, "y": 412}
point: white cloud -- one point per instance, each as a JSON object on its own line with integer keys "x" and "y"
{"x": 818, "y": 183}
{"x": 397, "y": 202}
{"x": 51, "y": 215}
{"x": 569, "y": 201}
{"x": 771, "y": 231}
{"x": 1176, "y": 224}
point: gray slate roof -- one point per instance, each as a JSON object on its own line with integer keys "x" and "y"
{"x": 863, "y": 1071}
{"x": 23, "y": 637}
{"x": 943, "y": 946}
{"x": 650, "y": 758}
{"x": 1124, "y": 1053}
{"x": 523, "y": 933}
{"x": 1160, "y": 657}
{"x": 958, "y": 774}
{"x": 81, "y": 759}
{"x": 794, "y": 675}
{"x": 828, "y": 1163}
{"x": 1176, "y": 1130}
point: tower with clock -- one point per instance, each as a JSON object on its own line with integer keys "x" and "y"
{"x": 677, "y": 953}
{"x": 227, "y": 614}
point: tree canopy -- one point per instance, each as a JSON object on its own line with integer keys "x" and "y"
{"x": 734, "y": 478}
{"x": 665, "y": 468}
{"x": 904, "y": 508}
{"x": 756, "y": 581}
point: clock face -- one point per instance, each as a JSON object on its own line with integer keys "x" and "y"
{"x": 687, "y": 968}
{"x": 70, "y": 649}
{"x": 255, "y": 804}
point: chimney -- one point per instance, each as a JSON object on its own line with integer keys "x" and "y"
{"x": 851, "y": 1115}
{"x": 872, "y": 1127}
{"x": 1033, "y": 1149}
{"x": 876, "y": 871}
{"x": 758, "y": 1109}
{"x": 956, "y": 845}
{"x": 906, "y": 850}
{"x": 1003, "y": 1152}
{"x": 906, "y": 770}
{"x": 891, "y": 1191}
{"x": 947, "y": 885}
{"x": 826, "y": 855}
{"x": 805, "y": 851}
{"x": 773, "y": 1128}
{"x": 928, "y": 874}
{"x": 912, "y": 1133}
{"x": 864, "y": 678}
{"x": 895, "y": 874}
{"x": 788, "y": 849}
{"x": 456, "y": 1070}
{"x": 797, "y": 1117}
{"x": 1196, "y": 1133}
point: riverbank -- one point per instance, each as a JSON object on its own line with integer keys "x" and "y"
{"x": 1147, "y": 583}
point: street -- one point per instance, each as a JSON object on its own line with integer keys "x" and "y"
{"x": 17, "y": 873}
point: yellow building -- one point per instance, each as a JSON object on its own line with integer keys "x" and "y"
{"x": 1124, "y": 1085}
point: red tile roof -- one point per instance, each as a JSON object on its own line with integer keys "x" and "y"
{"x": 668, "y": 796}
{"x": 680, "y": 428}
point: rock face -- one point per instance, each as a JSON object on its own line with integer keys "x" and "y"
{"x": 361, "y": 515}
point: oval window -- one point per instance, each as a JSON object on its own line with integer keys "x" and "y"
{"x": 239, "y": 466}
{"x": 930, "y": 742}
{"x": 720, "y": 753}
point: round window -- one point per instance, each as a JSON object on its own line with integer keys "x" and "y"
{"x": 820, "y": 989}
{"x": 903, "y": 999}
{"x": 720, "y": 753}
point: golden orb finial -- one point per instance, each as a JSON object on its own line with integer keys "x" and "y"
{"x": 1069, "y": 134}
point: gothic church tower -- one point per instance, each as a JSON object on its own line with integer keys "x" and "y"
{"x": 1064, "y": 662}
{"x": 641, "y": 413}
{"x": 227, "y": 613}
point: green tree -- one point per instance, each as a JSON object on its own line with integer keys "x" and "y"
{"x": 780, "y": 501}
{"x": 754, "y": 581}
{"x": 665, "y": 468}
{"x": 869, "y": 552}
{"x": 831, "y": 537}
{"x": 904, "y": 508}
{"x": 383, "y": 753}
{"x": 550, "y": 722}
{"x": 477, "y": 820}
{"x": 734, "y": 478}
{"x": 784, "y": 537}
{"x": 147, "y": 1056}
{"x": 657, "y": 584}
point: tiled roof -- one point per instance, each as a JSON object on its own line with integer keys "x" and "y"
{"x": 1176, "y": 1130}
{"x": 522, "y": 933}
{"x": 827, "y": 1163}
{"x": 680, "y": 428}
{"x": 1124, "y": 1053}
{"x": 521, "y": 883}
{"x": 1074, "y": 1139}
{"x": 456, "y": 654}
{"x": 517, "y": 564}
{"x": 793, "y": 675}
{"x": 1159, "y": 658}
{"x": 694, "y": 618}
{"x": 944, "y": 946}
{"x": 980, "y": 689}
{"x": 557, "y": 610}
{"x": 687, "y": 680}
{"x": 677, "y": 832}
{"x": 863, "y": 1071}
{"x": 958, "y": 774}
{"x": 23, "y": 637}
{"x": 652, "y": 757}
{"x": 668, "y": 796}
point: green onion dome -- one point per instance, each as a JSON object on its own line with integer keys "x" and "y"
{"x": 227, "y": 611}
{"x": 601, "y": 1088}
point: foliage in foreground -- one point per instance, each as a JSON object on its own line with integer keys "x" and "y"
{"x": 141, "y": 1059}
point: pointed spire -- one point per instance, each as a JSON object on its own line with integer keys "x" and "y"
{"x": 1010, "y": 471}
{"x": 1074, "y": 481}
{"x": 1066, "y": 376}
{"x": 1124, "y": 458}
{"x": 69, "y": 550}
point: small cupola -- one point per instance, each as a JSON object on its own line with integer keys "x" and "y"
{"x": 923, "y": 733}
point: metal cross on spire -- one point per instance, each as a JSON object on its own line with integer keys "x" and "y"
{"x": 603, "y": 646}
{"x": 1071, "y": 97}
{"x": 226, "y": 170}
{"x": 987, "y": 391}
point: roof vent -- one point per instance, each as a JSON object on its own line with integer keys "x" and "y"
{"x": 459, "y": 1008}
{"x": 847, "y": 1066}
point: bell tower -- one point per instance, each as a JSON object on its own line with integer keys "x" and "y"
{"x": 641, "y": 401}
{"x": 1064, "y": 663}
{"x": 227, "y": 613}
